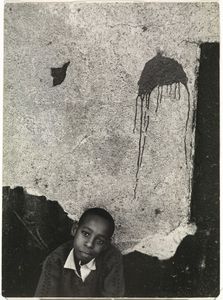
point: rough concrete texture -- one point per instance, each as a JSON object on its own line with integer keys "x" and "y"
{"x": 74, "y": 142}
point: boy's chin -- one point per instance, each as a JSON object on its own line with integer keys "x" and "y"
{"x": 84, "y": 257}
{"x": 84, "y": 262}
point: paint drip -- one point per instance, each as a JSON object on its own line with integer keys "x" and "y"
{"x": 158, "y": 72}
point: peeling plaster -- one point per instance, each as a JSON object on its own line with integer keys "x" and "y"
{"x": 163, "y": 245}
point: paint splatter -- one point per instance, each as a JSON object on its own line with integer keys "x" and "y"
{"x": 59, "y": 74}
{"x": 158, "y": 72}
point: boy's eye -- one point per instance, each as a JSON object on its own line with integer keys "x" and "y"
{"x": 100, "y": 242}
{"x": 85, "y": 233}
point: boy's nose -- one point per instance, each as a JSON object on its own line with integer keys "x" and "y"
{"x": 90, "y": 242}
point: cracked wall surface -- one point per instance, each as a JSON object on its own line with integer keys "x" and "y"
{"x": 74, "y": 142}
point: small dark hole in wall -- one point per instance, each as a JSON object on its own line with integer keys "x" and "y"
{"x": 157, "y": 211}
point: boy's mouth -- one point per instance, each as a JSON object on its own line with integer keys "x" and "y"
{"x": 85, "y": 254}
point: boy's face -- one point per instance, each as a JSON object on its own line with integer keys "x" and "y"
{"x": 91, "y": 238}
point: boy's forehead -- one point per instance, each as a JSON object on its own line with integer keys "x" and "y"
{"x": 96, "y": 221}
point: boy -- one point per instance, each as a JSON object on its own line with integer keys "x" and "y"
{"x": 88, "y": 266}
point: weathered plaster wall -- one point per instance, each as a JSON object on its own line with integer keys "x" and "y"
{"x": 74, "y": 142}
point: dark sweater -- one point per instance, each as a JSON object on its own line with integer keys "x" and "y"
{"x": 106, "y": 281}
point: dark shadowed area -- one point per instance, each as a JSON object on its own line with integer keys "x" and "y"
{"x": 32, "y": 228}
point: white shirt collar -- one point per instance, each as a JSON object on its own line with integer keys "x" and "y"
{"x": 84, "y": 269}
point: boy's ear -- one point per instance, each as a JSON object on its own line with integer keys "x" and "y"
{"x": 74, "y": 228}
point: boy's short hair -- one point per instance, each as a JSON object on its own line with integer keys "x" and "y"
{"x": 97, "y": 211}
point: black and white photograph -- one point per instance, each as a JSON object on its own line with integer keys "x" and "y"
{"x": 111, "y": 150}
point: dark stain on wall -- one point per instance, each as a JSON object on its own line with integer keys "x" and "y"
{"x": 158, "y": 72}
{"x": 34, "y": 226}
{"x": 157, "y": 211}
{"x": 59, "y": 74}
